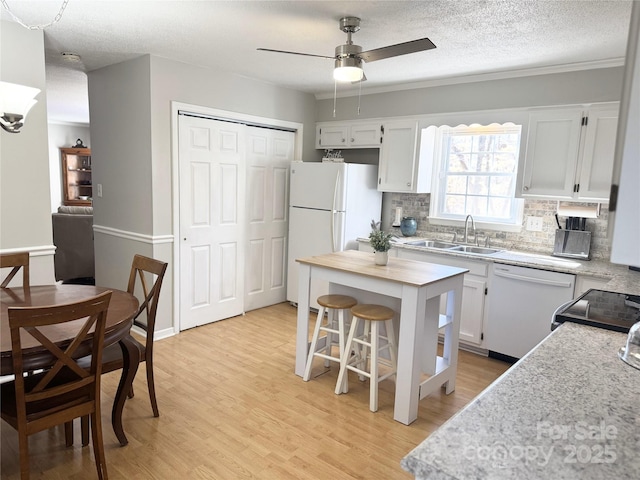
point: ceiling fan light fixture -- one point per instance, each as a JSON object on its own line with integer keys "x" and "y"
{"x": 348, "y": 69}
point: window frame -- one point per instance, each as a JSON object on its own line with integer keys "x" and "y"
{"x": 436, "y": 216}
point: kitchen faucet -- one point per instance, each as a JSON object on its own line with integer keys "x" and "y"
{"x": 466, "y": 229}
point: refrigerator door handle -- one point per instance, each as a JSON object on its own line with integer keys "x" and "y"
{"x": 333, "y": 211}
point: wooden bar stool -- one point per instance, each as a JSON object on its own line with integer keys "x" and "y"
{"x": 356, "y": 346}
{"x": 335, "y": 306}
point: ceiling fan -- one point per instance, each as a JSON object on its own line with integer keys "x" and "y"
{"x": 348, "y": 57}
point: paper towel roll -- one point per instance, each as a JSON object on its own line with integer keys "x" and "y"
{"x": 584, "y": 211}
{"x": 398, "y": 219}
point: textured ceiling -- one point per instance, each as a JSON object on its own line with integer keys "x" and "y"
{"x": 473, "y": 37}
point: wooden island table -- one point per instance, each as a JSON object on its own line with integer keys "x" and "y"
{"x": 413, "y": 289}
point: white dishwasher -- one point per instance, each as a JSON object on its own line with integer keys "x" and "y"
{"x": 521, "y": 305}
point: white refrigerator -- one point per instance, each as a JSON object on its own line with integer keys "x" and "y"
{"x": 330, "y": 206}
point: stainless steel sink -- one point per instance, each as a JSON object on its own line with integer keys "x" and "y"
{"x": 453, "y": 247}
{"x": 431, "y": 244}
{"x": 475, "y": 250}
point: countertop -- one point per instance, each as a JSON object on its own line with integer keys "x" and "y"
{"x": 398, "y": 270}
{"x": 568, "y": 409}
{"x": 621, "y": 279}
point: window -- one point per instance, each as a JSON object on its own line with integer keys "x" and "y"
{"x": 475, "y": 172}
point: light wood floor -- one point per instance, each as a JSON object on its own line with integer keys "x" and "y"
{"x": 232, "y": 408}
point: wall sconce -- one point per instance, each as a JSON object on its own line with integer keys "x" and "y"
{"x": 15, "y": 102}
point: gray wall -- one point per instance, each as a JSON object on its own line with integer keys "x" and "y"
{"x": 25, "y": 216}
{"x": 587, "y": 86}
{"x": 130, "y": 106}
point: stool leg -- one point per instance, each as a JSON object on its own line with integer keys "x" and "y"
{"x": 366, "y": 335}
{"x": 341, "y": 337}
{"x": 331, "y": 320}
{"x": 393, "y": 345}
{"x": 314, "y": 341}
{"x": 342, "y": 385}
{"x": 373, "y": 387}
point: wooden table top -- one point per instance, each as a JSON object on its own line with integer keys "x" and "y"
{"x": 399, "y": 270}
{"x": 122, "y": 307}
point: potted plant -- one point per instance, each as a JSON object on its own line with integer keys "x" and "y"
{"x": 380, "y": 242}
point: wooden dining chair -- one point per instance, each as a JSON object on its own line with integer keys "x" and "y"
{"x": 17, "y": 261}
{"x": 66, "y": 391}
{"x": 142, "y": 269}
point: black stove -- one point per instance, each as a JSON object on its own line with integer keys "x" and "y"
{"x": 598, "y": 308}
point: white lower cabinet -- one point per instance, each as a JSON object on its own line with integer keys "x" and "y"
{"x": 473, "y": 295}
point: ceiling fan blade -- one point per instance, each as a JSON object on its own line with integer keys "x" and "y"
{"x": 295, "y": 53}
{"x": 396, "y": 50}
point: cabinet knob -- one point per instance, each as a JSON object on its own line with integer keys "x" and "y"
{"x": 525, "y": 188}
{"x": 343, "y": 140}
{"x": 408, "y": 184}
{"x": 352, "y": 140}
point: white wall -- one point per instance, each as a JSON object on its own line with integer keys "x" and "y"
{"x": 62, "y": 135}
{"x": 132, "y": 153}
{"x": 25, "y": 216}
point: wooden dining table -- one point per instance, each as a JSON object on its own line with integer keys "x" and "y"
{"x": 122, "y": 308}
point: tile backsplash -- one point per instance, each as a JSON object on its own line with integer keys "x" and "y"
{"x": 417, "y": 205}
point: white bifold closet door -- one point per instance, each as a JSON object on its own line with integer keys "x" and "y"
{"x": 233, "y": 197}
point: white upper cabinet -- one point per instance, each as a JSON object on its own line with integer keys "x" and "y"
{"x": 348, "y": 135}
{"x": 402, "y": 168}
{"x": 594, "y": 178}
{"x": 331, "y": 136}
{"x": 569, "y": 153}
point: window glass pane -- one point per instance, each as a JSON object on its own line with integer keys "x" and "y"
{"x": 504, "y": 162}
{"x": 459, "y": 162}
{"x": 500, "y": 207}
{"x": 457, "y": 184}
{"x": 454, "y": 204}
{"x": 460, "y": 143}
{"x": 478, "y": 185}
{"x": 477, "y": 206}
{"x": 501, "y": 186}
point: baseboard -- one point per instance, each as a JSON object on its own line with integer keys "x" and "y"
{"x": 503, "y": 357}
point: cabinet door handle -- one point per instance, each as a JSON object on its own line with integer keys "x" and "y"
{"x": 532, "y": 279}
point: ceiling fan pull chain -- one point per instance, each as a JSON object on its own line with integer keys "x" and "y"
{"x": 359, "y": 95}
{"x": 55, "y": 20}
{"x": 335, "y": 89}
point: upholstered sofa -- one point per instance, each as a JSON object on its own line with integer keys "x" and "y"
{"x": 73, "y": 238}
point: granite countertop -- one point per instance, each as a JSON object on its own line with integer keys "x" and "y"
{"x": 621, "y": 279}
{"x": 569, "y": 409}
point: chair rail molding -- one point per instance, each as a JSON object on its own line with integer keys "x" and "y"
{"x": 138, "y": 237}
{"x": 34, "y": 251}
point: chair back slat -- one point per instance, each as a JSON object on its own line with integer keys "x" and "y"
{"x": 145, "y": 268}
{"x": 17, "y": 261}
{"x": 55, "y": 383}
